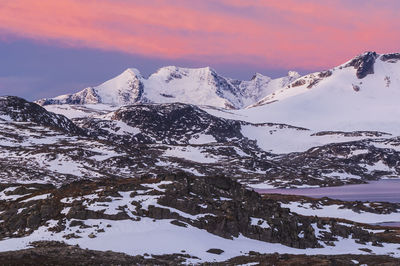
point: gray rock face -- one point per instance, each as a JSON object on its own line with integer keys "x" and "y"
{"x": 364, "y": 64}
{"x": 391, "y": 58}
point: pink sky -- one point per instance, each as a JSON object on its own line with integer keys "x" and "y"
{"x": 305, "y": 34}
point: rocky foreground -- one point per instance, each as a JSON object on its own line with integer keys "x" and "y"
{"x": 58, "y": 253}
{"x": 197, "y": 219}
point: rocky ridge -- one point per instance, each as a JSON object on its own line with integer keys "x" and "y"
{"x": 19, "y": 110}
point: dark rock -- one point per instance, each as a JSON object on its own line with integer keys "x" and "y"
{"x": 297, "y": 83}
{"x": 178, "y": 223}
{"x": 33, "y": 221}
{"x": 356, "y": 88}
{"x": 76, "y": 223}
{"x": 391, "y": 58}
{"x": 215, "y": 251}
{"x": 364, "y": 64}
{"x": 366, "y": 250}
{"x": 69, "y": 236}
{"x": 325, "y": 74}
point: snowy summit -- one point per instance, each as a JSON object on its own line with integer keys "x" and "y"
{"x": 201, "y": 86}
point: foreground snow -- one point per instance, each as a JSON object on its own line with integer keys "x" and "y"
{"x": 161, "y": 237}
{"x": 143, "y": 235}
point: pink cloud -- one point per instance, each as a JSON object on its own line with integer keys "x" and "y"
{"x": 284, "y": 33}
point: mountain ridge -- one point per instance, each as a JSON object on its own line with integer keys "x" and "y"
{"x": 202, "y": 86}
{"x": 359, "y": 95}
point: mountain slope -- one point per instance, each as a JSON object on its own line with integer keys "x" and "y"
{"x": 361, "y": 94}
{"x": 19, "y": 110}
{"x": 202, "y": 86}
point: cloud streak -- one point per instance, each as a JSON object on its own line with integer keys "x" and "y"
{"x": 285, "y": 33}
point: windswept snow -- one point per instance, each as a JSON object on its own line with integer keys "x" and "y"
{"x": 161, "y": 237}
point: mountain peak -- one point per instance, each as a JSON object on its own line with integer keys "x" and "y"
{"x": 170, "y": 69}
{"x": 203, "y": 86}
{"x": 258, "y": 76}
{"x": 293, "y": 74}
{"x": 132, "y": 71}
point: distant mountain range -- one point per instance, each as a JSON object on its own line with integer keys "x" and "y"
{"x": 201, "y": 86}
{"x": 360, "y": 94}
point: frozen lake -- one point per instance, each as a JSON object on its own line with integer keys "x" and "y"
{"x": 387, "y": 190}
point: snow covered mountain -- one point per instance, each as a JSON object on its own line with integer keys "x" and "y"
{"x": 201, "y": 86}
{"x": 361, "y": 94}
{"x": 125, "y": 89}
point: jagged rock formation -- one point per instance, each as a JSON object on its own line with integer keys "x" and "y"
{"x": 364, "y": 64}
